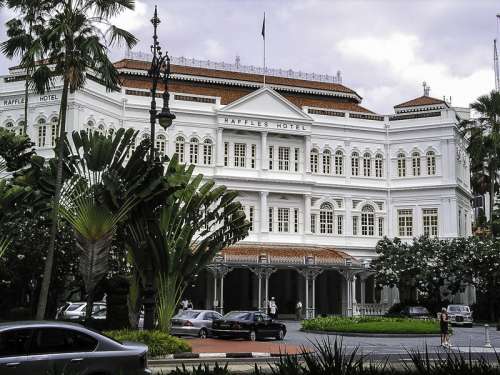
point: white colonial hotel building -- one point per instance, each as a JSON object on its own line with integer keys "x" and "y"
{"x": 322, "y": 178}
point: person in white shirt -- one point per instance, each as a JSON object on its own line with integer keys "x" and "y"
{"x": 273, "y": 308}
{"x": 298, "y": 310}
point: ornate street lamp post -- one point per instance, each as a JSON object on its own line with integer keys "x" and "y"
{"x": 159, "y": 71}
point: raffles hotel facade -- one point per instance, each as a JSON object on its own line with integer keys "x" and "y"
{"x": 321, "y": 178}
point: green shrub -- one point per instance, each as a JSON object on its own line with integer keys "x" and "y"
{"x": 201, "y": 370}
{"x": 159, "y": 343}
{"x": 371, "y": 324}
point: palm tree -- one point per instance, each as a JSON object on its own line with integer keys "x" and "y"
{"x": 23, "y": 42}
{"x": 4, "y": 243}
{"x": 484, "y": 144}
{"x": 77, "y": 46}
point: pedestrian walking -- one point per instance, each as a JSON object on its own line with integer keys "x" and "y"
{"x": 443, "y": 325}
{"x": 185, "y": 304}
{"x": 298, "y": 311}
{"x": 273, "y": 308}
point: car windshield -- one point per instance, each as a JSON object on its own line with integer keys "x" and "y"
{"x": 419, "y": 310}
{"x": 455, "y": 308}
{"x": 237, "y": 315}
{"x": 74, "y": 306}
{"x": 187, "y": 315}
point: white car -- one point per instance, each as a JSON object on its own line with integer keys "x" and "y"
{"x": 76, "y": 310}
{"x": 460, "y": 315}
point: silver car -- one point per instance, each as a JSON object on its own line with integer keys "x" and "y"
{"x": 76, "y": 310}
{"x": 194, "y": 323}
{"x": 460, "y": 315}
{"x": 65, "y": 348}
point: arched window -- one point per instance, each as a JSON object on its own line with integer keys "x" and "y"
{"x": 207, "y": 152}
{"x": 54, "y": 130}
{"x": 42, "y": 133}
{"x": 101, "y": 130}
{"x": 326, "y": 218}
{"x": 367, "y": 164}
{"x": 194, "y": 146}
{"x": 314, "y": 160}
{"x": 379, "y": 165}
{"x": 179, "y": 148}
{"x": 367, "y": 220}
{"x": 339, "y": 163}
{"x": 90, "y": 125}
{"x": 415, "y": 163}
{"x": 431, "y": 163}
{"x": 161, "y": 145}
{"x": 9, "y": 125}
{"x": 327, "y": 162}
{"x": 21, "y": 126}
{"x": 401, "y": 165}
{"x": 355, "y": 164}
{"x": 111, "y": 131}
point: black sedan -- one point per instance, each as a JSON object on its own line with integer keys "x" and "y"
{"x": 415, "y": 312}
{"x": 251, "y": 325}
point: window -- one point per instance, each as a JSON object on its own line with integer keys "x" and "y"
{"x": 355, "y": 164}
{"x": 314, "y": 161}
{"x": 367, "y": 160}
{"x": 379, "y": 166}
{"x": 405, "y": 222}
{"x": 340, "y": 224}
{"x": 90, "y": 125}
{"x": 283, "y": 158}
{"x": 327, "y": 162}
{"x": 401, "y": 165}
{"x": 179, "y": 148}
{"x": 42, "y": 133}
{"x": 339, "y": 163}
{"x": 367, "y": 221}
{"x": 313, "y": 223}
{"x": 270, "y": 218}
{"x": 381, "y": 226}
{"x": 226, "y": 154}
{"x": 430, "y": 217}
{"x": 296, "y": 220}
{"x": 253, "y": 155}
{"x": 111, "y": 131}
{"x": 271, "y": 157}
{"x": 431, "y": 163}
{"x": 101, "y": 130}
{"x": 21, "y": 126}
{"x": 415, "y": 163}
{"x": 207, "y": 151}
{"x": 283, "y": 219}
{"x": 355, "y": 225}
{"x": 297, "y": 159}
{"x": 54, "y": 130}
{"x": 193, "y": 151}
{"x": 161, "y": 145}
{"x": 10, "y": 126}
{"x": 58, "y": 340}
{"x": 14, "y": 343}
{"x": 326, "y": 218}
{"x": 240, "y": 154}
{"x": 251, "y": 215}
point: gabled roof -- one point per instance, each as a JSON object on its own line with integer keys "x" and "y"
{"x": 421, "y": 101}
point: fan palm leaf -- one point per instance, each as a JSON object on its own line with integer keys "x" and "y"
{"x": 4, "y": 244}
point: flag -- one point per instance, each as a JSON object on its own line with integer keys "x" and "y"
{"x": 264, "y": 27}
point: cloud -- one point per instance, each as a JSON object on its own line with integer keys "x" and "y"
{"x": 133, "y": 20}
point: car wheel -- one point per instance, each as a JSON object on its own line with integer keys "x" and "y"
{"x": 252, "y": 336}
{"x": 203, "y": 334}
{"x": 281, "y": 335}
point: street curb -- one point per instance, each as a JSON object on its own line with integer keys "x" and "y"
{"x": 231, "y": 355}
{"x": 362, "y": 334}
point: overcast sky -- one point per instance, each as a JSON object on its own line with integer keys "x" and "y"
{"x": 384, "y": 49}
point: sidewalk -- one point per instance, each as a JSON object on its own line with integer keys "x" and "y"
{"x": 242, "y": 346}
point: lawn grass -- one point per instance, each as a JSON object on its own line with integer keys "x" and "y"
{"x": 371, "y": 324}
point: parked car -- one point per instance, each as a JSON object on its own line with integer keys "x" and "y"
{"x": 251, "y": 325}
{"x": 415, "y": 312}
{"x": 76, "y": 310}
{"x": 460, "y": 315}
{"x": 58, "y": 347}
{"x": 194, "y": 323}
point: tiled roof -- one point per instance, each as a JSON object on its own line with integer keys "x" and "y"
{"x": 291, "y": 251}
{"x": 223, "y": 74}
{"x": 421, "y": 101}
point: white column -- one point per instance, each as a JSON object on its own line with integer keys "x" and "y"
{"x": 216, "y": 302}
{"x": 363, "y": 295}
{"x": 264, "y": 227}
{"x": 354, "y": 289}
{"x": 264, "y": 163}
{"x": 267, "y": 292}
{"x": 259, "y": 280}
{"x": 307, "y": 155}
{"x": 222, "y": 294}
{"x": 349, "y": 296}
{"x": 307, "y": 214}
{"x": 307, "y": 296}
{"x": 219, "y": 148}
{"x": 314, "y": 297}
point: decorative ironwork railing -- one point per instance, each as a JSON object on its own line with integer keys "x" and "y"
{"x": 240, "y": 68}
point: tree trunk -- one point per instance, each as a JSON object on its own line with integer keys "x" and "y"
{"x": 88, "y": 308}
{"x": 492, "y": 195}
{"x": 49, "y": 262}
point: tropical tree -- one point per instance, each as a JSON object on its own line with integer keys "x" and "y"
{"x": 78, "y": 46}
{"x": 3, "y": 246}
{"x": 483, "y": 134}
{"x": 195, "y": 224}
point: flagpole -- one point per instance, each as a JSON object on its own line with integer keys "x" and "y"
{"x": 264, "y": 38}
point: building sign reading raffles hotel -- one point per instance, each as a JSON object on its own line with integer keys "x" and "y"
{"x": 321, "y": 177}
